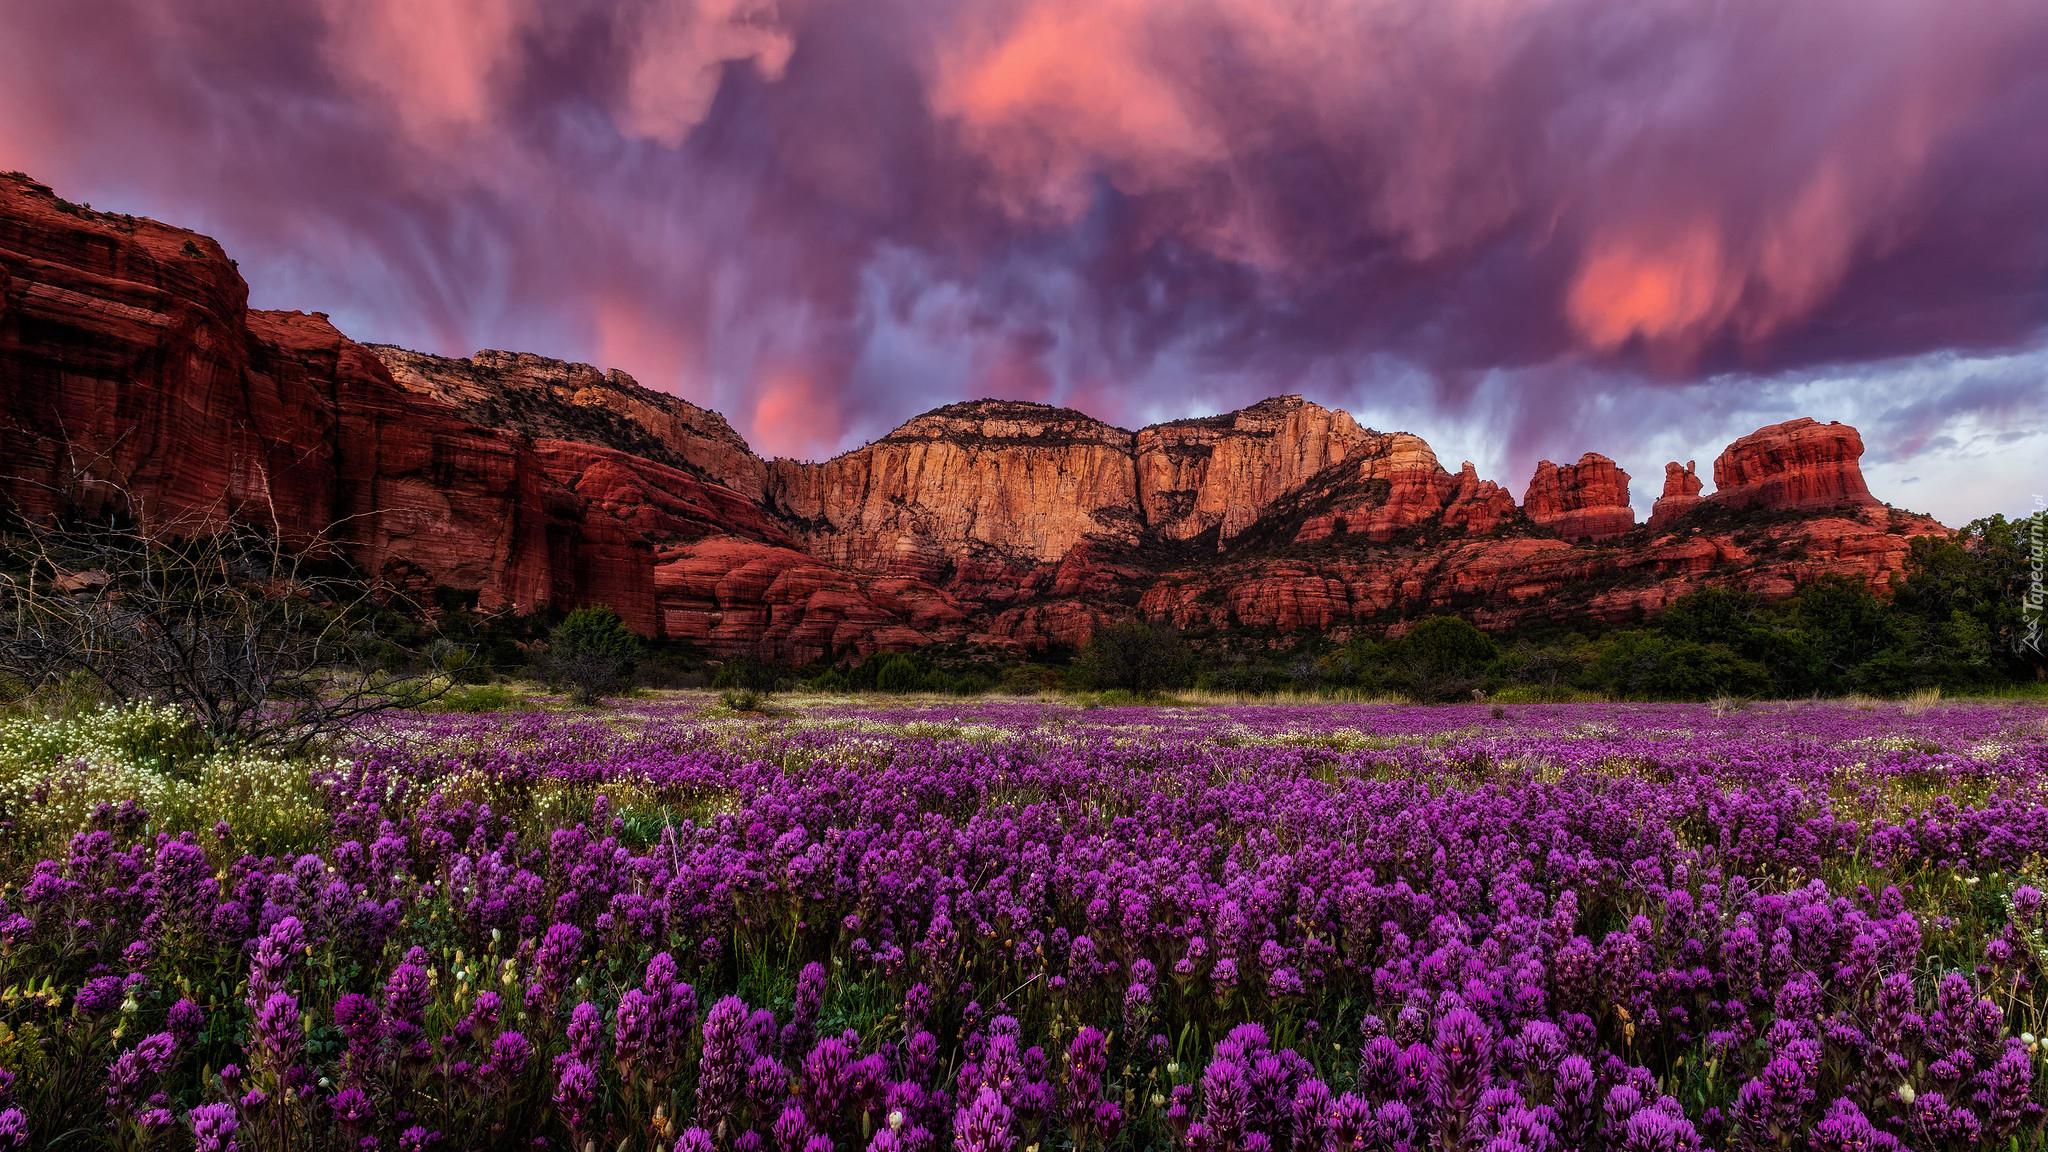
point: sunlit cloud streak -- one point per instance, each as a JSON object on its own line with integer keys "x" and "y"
{"x": 1526, "y": 227}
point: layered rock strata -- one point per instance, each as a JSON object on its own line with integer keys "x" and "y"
{"x": 1583, "y": 501}
{"x": 132, "y": 369}
{"x": 1799, "y": 464}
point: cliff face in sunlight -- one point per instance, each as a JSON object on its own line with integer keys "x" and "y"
{"x": 129, "y": 358}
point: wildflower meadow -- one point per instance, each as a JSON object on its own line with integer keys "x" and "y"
{"x": 1024, "y": 926}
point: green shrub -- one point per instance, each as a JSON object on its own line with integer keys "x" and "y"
{"x": 1647, "y": 665}
{"x": 1139, "y": 658}
{"x": 970, "y": 684}
{"x": 481, "y": 698}
{"x": 749, "y": 673}
{"x": 1029, "y": 679}
{"x": 593, "y": 652}
{"x": 743, "y": 700}
{"x": 1441, "y": 658}
{"x": 899, "y": 674}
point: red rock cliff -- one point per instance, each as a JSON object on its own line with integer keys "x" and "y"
{"x": 1583, "y": 501}
{"x": 128, "y": 356}
{"x": 129, "y": 360}
{"x": 1223, "y": 472}
{"x": 1799, "y": 464}
{"x": 995, "y": 480}
{"x": 552, "y": 399}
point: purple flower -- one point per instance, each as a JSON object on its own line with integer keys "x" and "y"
{"x": 633, "y": 1033}
{"x": 553, "y": 962}
{"x": 99, "y": 995}
{"x": 351, "y": 1106}
{"x": 185, "y": 1020}
{"x": 1464, "y": 1059}
{"x": 1658, "y": 1129}
{"x": 136, "y": 1067}
{"x": 792, "y": 1130}
{"x": 277, "y": 1033}
{"x": 825, "y": 1078}
{"x": 721, "y": 1069}
{"x": 509, "y": 1054}
{"x": 575, "y": 1091}
{"x": 213, "y": 1127}
{"x": 984, "y": 1125}
{"x": 1846, "y": 1129}
{"x": 585, "y": 1032}
{"x": 408, "y": 992}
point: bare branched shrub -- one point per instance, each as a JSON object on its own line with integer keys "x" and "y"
{"x": 262, "y": 645}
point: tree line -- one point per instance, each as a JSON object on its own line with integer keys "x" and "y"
{"x": 271, "y": 645}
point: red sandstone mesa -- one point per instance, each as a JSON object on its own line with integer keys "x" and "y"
{"x": 1583, "y": 501}
{"x": 1795, "y": 465}
{"x": 128, "y": 356}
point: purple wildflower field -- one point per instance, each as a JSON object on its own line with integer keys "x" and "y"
{"x": 1019, "y": 926}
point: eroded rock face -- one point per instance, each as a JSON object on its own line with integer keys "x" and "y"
{"x": 412, "y": 487}
{"x": 1002, "y": 480}
{"x": 1478, "y": 506}
{"x": 739, "y": 597}
{"x": 1583, "y": 501}
{"x": 1800, "y": 464}
{"x": 1510, "y": 580}
{"x": 1223, "y": 472}
{"x": 128, "y": 355}
{"x": 123, "y": 358}
{"x": 1391, "y": 483}
{"x": 556, "y": 400}
{"x": 1681, "y": 494}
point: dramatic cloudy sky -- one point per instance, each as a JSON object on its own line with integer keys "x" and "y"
{"x": 1521, "y": 228}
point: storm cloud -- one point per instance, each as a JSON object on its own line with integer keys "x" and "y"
{"x": 1520, "y": 227}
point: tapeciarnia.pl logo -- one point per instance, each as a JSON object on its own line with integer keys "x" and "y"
{"x": 2037, "y": 539}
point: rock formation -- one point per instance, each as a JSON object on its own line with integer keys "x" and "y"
{"x": 1478, "y": 506}
{"x": 1583, "y": 501}
{"x": 1799, "y": 464}
{"x": 993, "y": 480}
{"x": 1222, "y": 472}
{"x": 1681, "y": 494}
{"x": 132, "y": 369}
{"x": 550, "y": 399}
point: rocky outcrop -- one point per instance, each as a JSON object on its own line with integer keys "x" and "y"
{"x": 1583, "y": 501}
{"x": 1391, "y": 484}
{"x": 1510, "y": 580}
{"x": 555, "y": 400}
{"x": 993, "y": 480}
{"x": 1477, "y": 506}
{"x": 1800, "y": 464}
{"x": 123, "y": 363}
{"x": 131, "y": 369}
{"x": 1223, "y": 472}
{"x": 1681, "y": 495}
{"x": 411, "y": 488}
{"x": 741, "y": 597}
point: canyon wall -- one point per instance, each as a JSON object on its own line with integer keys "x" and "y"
{"x": 132, "y": 370}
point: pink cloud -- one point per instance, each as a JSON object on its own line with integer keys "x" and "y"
{"x": 826, "y": 215}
